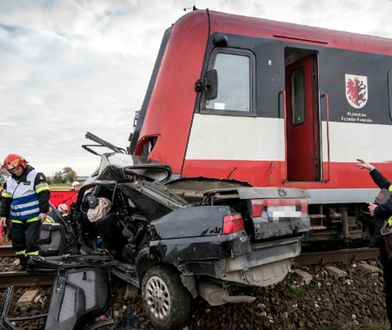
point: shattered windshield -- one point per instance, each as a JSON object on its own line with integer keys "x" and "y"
{"x": 140, "y": 166}
{"x": 121, "y": 160}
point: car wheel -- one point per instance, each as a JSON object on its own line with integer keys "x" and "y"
{"x": 166, "y": 301}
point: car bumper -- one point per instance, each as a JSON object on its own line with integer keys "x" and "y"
{"x": 266, "y": 264}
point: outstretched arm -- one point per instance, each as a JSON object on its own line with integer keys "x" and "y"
{"x": 364, "y": 165}
{"x": 377, "y": 177}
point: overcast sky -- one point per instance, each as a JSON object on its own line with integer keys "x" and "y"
{"x": 69, "y": 66}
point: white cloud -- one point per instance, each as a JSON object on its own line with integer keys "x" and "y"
{"x": 68, "y": 67}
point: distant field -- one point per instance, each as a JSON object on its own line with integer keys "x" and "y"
{"x": 60, "y": 187}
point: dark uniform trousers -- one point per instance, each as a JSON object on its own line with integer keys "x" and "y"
{"x": 387, "y": 268}
{"x": 25, "y": 236}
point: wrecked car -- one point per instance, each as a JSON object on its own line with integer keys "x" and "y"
{"x": 174, "y": 238}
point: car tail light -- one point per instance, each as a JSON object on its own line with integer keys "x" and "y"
{"x": 232, "y": 223}
{"x": 279, "y": 208}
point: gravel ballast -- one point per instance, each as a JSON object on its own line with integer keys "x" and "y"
{"x": 351, "y": 299}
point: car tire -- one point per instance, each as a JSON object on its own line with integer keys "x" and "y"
{"x": 166, "y": 301}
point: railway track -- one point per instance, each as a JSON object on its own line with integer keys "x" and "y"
{"x": 22, "y": 278}
{"x": 6, "y": 251}
{"x": 343, "y": 256}
{"x": 11, "y": 317}
{"x": 311, "y": 258}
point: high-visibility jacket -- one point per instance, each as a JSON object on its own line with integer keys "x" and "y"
{"x": 384, "y": 210}
{"x": 25, "y": 198}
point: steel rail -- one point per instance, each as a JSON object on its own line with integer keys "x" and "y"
{"x": 344, "y": 256}
{"x": 22, "y": 278}
{"x": 7, "y": 251}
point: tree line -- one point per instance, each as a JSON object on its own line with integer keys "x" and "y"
{"x": 66, "y": 175}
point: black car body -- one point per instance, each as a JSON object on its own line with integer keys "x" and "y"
{"x": 173, "y": 238}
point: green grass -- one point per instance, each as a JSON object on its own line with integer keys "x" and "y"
{"x": 60, "y": 187}
{"x": 294, "y": 292}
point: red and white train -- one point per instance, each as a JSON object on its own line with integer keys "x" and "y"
{"x": 273, "y": 104}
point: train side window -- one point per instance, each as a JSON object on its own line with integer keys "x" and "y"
{"x": 390, "y": 92}
{"x": 234, "y": 83}
{"x": 298, "y": 96}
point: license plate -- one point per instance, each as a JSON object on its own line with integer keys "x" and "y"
{"x": 275, "y": 212}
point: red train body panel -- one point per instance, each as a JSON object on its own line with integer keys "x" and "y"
{"x": 295, "y": 106}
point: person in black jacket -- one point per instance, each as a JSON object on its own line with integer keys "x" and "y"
{"x": 382, "y": 212}
{"x": 25, "y": 203}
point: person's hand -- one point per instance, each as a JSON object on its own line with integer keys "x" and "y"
{"x": 3, "y": 222}
{"x": 42, "y": 217}
{"x": 371, "y": 208}
{"x": 363, "y": 164}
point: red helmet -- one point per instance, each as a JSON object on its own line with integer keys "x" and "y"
{"x": 63, "y": 208}
{"x": 14, "y": 160}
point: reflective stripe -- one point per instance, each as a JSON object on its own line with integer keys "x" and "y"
{"x": 32, "y": 253}
{"x": 42, "y": 184}
{"x": 25, "y": 207}
{"x": 20, "y": 253}
{"x": 24, "y": 199}
{"x": 33, "y": 211}
{"x": 389, "y": 221}
{"x": 6, "y": 195}
{"x": 44, "y": 187}
{"x": 28, "y": 220}
{"x": 24, "y": 217}
{"x": 48, "y": 219}
{"x": 21, "y": 206}
{"x": 390, "y": 188}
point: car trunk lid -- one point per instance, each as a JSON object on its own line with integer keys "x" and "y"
{"x": 269, "y": 212}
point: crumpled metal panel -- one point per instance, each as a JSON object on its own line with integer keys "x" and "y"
{"x": 78, "y": 296}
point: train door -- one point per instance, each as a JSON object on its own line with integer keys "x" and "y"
{"x": 302, "y": 116}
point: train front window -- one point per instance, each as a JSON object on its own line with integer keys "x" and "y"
{"x": 234, "y": 82}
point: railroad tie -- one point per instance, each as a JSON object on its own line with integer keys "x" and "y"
{"x": 370, "y": 268}
{"x": 27, "y": 298}
{"x": 302, "y": 277}
{"x": 336, "y": 272}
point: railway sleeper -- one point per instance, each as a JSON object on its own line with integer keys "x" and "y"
{"x": 81, "y": 295}
{"x": 7, "y": 322}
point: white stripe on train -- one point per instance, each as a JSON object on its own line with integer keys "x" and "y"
{"x": 218, "y": 137}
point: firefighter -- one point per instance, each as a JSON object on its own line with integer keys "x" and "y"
{"x": 382, "y": 212}
{"x": 75, "y": 186}
{"x": 25, "y": 203}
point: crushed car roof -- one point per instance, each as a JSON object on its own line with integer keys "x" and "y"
{"x": 115, "y": 166}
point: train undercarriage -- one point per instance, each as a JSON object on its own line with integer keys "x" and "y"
{"x": 339, "y": 225}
